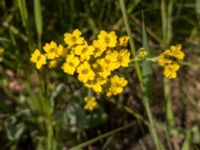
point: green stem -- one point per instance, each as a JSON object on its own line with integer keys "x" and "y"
{"x": 131, "y": 111}
{"x": 40, "y": 41}
{"x": 185, "y": 63}
{"x": 168, "y": 104}
{"x": 166, "y": 26}
{"x": 49, "y": 135}
{"x": 139, "y": 74}
{"x": 166, "y": 13}
{"x": 152, "y": 126}
{"x": 131, "y": 41}
{"x": 168, "y": 110}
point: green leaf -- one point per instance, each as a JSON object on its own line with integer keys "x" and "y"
{"x": 186, "y": 144}
{"x": 55, "y": 93}
{"x": 23, "y": 11}
{"x": 75, "y": 115}
{"x": 146, "y": 66}
{"x": 14, "y": 130}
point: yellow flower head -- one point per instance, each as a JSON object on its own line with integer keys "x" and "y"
{"x": 168, "y": 59}
{"x": 98, "y": 48}
{"x": 84, "y": 51}
{"x": 85, "y": 72}
{"x": 142, "y": 53}
{"x": 91, "y": 103}
{"x": 163, "y": 58}
{"x": 96, "y": 84}
{"x": 109, "y": 61}
{"x": 117, "y": 84}
{"x": 38, "y": 58}
{"x": 101, "y": 71}
{"x": 171, "y": 55}
{"x": 53, "y": 63}
{"x": 61, "y": 51}
{"x": 123, "y": 58}
{"x": 74, "y": 38}
{"x": 176, "y": 51}
{"x": 71, "y": 64}
{"x": 107, "y": 39}
{"x": 123, "y": 40}
{"x": 51, "y": 50}
{"x": 170, "y": 70}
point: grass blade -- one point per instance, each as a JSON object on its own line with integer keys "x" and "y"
{"x": 38, "y": 20}
{"x": 23, "y": 11}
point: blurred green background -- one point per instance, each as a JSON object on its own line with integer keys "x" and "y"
{"x": 44, "y": 109}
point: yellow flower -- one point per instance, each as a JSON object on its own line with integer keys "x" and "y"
{"x": 84, "y": 51}
{"x": 51, "y": 50}
{"x": 163, "y": 58}
{"x": 123, "y": 58}
{"x": 61, "y": 51}
{"x": 117, "y": 84}
{"x": 168, "y": 60}
{"x": 142, "y": 53}
{"x": 53, "y": 63}
{"x": 91, "y": 103}
{"x": 98, "y": 48}
{"x": 74, "y": 38}
{"x": 170, "y": 70}
{"x": 104, "y": 72}
{"x": 123, "y": 40}
{"x": 101, "y": 70}
{"x": 107, "y": 39}
{"x": 171, "y": 55}
{"x": 176, "y": 51}
{"x": 109, "y": 62}
{"x": 85, "y": 72}
{"x": 38, "y": 58}
{"x": 71, "y": 64}
{"x": 96, "y": 84}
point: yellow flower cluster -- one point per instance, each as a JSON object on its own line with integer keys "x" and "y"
{"x": 53, "y": 52}
{"x": 93, "y": 64}
{"x": 90, "y": 103}
{"x": 168, "y": 59}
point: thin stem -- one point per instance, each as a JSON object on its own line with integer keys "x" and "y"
{"x": 185, "y": 63}
{"x": 168, "y": 104}
{"x": 166, "y": 26}
{"x": 139, "y": 74}
{"x": 131, "y": 111}
{"x": 49, "y": 135}
{"x": 131, "y": 41}
{"x": 166, "y": 13}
